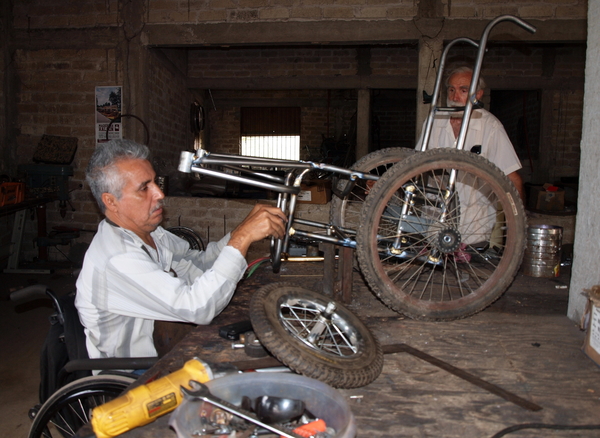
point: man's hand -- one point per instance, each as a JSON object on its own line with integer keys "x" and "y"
{"x": 262, "y": 222}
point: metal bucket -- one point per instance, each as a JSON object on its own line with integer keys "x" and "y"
{"x": 543, "y": 251}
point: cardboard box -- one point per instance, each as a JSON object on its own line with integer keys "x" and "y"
{"x": 315, "y": 192}
{"x": 591, "y": 345}
{"x": 546, "y": 200}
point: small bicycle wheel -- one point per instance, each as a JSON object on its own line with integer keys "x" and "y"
{"x": 315, "y": 336}
{"x": 69, "y": 408}
{"x": 346, "y": 212}
{"x": 434, "y": 253}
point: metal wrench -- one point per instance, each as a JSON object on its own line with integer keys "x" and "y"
{"x": 199, "y": 391}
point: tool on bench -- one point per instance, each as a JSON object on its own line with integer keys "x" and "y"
{"x": 145, "y": 403}
{"x": 200, "y": 392}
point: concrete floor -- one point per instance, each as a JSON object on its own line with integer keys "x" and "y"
{"x": 23, "y": 328}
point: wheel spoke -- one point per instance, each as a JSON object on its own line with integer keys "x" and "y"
{"x": 300, "y": 321}
{"x": 68, "y": 409}
{"x": 432, "y": 249}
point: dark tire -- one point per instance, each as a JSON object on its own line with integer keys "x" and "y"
{"x": 346, "y": 212}
{"x": 344, "y": 355}
{"x": 456, "y": 252}
{"x": 69, "y": 408}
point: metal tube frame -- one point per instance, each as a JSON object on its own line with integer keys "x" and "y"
{"x": 289, "y": 187}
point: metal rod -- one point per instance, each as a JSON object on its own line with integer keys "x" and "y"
{"x": 244, "y": 180}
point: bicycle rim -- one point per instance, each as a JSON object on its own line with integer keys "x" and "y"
{"x": 438, "y": 255}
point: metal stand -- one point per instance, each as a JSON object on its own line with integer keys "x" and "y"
{"x": 17, "y": 234}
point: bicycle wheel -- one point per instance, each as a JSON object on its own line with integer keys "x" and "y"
{"x": 435, "y": 254}
{"x": 346, "y": 212}
{"x": 315, "y": 336}
{"x": 69, "y": 408}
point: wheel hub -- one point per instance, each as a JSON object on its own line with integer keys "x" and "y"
{"x": 448, "y": 240}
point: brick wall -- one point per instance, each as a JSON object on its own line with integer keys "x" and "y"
{"x": 67, "y": 13}
{"x": 90, "y": 13}
{"x": 244, "y": 63}
{"x": 532, "y": 9}
{"x": 393, "y": 119}
{"x": 565, "y": 141}
{"x": 212, "y": 218}
{"x": 561, "y": 71}
{"x": 55, "y": 87}
{"x": 169, "y": 102}
{"x": 57, "y": 97}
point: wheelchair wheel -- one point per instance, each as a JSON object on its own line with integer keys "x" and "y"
{"x": 69, "y": 408}
{"x": 346, "y": 212}
{"x": 190, "y": 236}
{"x": 315, "y": 336}
{"x": 433, "y": 254}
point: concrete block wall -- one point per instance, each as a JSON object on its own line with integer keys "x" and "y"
{"x": 319, "y": 61}
{"x": 212, "y": 218}
{"x": 168, "y": 11}
{"x": 91, "y": 13}
{"x": 57, "y": 97}
{"x": 532, "y": 9}
{"x": 169, "y": 102}
{"x": 54, "y": 84}
{"x": 272, "y": 62}
{"x": 69, "y": 13}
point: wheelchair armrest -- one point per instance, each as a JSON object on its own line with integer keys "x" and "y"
{"x": 117, "y": 363}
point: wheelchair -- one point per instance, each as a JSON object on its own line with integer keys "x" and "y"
{"x": 68, "y": 390}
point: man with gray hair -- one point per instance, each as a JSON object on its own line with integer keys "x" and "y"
{"x": 485, "y": 135}
{"x": 135, "y": 272}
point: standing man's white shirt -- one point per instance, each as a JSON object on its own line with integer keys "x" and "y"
{"x": 125, "y": 285}
{"x": 477, "y": 214}
{"x": 485, "y": 130}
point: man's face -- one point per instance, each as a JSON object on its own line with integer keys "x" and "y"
{"x": 140, "y": 207}
{"x": 458, "y": 88}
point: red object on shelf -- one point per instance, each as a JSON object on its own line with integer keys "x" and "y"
{"x": 11, "y": 193}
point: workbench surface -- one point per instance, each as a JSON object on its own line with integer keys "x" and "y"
{"x": 523, "y": 345}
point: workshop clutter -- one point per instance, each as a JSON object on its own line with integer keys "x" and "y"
{"x": 54, "y": 149}
{"x": 325, "y": 409}
{"x": 591, "y": 323}
{"x": 43, "y": 180}
{"x": 212, "y": 400}
{"x": 543, "y": 251}
{"x": 145, "y": 403}
{"x": 11, "y": 193}
{"x": 547, "y": 197}
{"x": 315, "y": 192}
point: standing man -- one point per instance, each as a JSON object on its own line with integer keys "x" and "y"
{"x": 136, "y": 272}
{"x": 485, "y": 131}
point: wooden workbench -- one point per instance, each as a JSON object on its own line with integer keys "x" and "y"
{"x": 523, "y": 345}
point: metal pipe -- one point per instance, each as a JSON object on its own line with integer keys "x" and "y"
{"x": 231, "y": 177}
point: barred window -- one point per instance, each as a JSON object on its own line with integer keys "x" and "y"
{"x": 270, "y": 132}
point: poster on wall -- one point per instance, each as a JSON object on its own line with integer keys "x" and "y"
{"x": 108, "y": 113}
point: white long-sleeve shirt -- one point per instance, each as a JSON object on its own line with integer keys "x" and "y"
{"x": 125, "y": 285}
